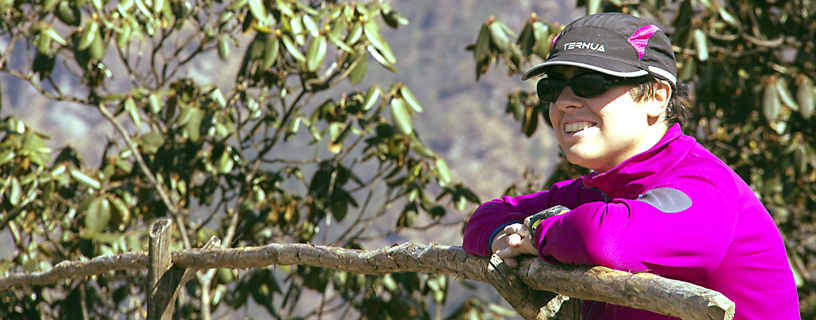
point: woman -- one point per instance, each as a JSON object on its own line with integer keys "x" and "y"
{"x": 656, "y": 201}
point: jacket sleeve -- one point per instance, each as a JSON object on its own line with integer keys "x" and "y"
{"x": 501, "y": 212}
{"x": 680, "y": 229}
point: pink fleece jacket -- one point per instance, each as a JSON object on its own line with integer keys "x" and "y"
{"x": 675, "y": 210}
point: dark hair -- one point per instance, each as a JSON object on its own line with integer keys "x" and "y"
{"x": 676, "y": 112}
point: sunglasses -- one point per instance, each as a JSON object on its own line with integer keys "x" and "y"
{"x": 585, "y": 85}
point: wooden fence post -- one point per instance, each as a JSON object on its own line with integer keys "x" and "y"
{"x": 161, "y": 281}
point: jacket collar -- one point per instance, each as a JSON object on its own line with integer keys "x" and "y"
{"x": 631, "y": 177}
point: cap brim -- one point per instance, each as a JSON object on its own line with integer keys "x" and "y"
{"x": 590, "y": 63}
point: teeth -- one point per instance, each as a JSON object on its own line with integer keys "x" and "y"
{"x": 576, "y": 126}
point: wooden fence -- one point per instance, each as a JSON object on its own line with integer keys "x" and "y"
{"x": 536, "y": 290}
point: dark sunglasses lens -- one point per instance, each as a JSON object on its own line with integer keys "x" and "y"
{"x": 589, "y": 85}
{"x": 548, "y": 90}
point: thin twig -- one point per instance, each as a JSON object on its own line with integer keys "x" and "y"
{"x": 149, "y": 174}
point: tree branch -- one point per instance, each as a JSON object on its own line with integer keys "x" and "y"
{"x": 174, "y": 212}
{"x": 640, "y": 290}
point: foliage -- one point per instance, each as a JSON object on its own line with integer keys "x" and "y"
{"x": 216, "y": 157}
{"x": 751, "y": 70}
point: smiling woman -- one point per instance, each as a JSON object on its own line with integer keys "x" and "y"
{"x": 657, "y": 201}
{"x": 609, "y": 126}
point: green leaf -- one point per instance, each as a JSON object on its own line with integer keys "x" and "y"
{"x": 400, "y": 116}
{"x": 133, "y": 112}
{"x": 542, "y": 37}
{"x": 339, "y": 42}
{"x": 68, "y": 13}
{"x": 372, "y": 32}
{"x": 154, "y": 103}
{"x": 121, "y": 217}
{"x": 298, "y": 32}
{"x": 805, "y": 97}
{"x": 785, "y": 95}
{"x": 97, "y": 50}
{"x": 689, "y": 69}
{"x": 6, "y": 156}
{"x": 410, "y": 99}
{"x": 498, "y": 37}
{"x": 15, "y": 192}
{"x": 700, "y": 44}
{"x": 292, "y": 48}
{"x": 355, "y": 33}
{"x": 152, "y": 141}
{"x": 728, "y": 17}
{"x": 158, "y": 5}
{"x": 270, "y": 52}
{"x": 49, "y": 5}
{"x": 527, "y": 40}
{"x": 293, "y": 128}
{"x": 223, "y": 48}
{"x": 285, "y": 7}
{"x": 515, "y": 106}
{"x": 770, "y": 102}
{"x": 225, "y": 162}
{"x": 337, "y": 133}
{"x": 89, "y": 33}
{"x": 33, "y": 143}
{"x": 482, "y": 49}
{"x": 44, "y": 45}
{"x": 443, "y": 172}
{"x": 316, "y": 134}
{"x": 420, "y": 149}
{"x": 98, "y": 215}
{"x": 316, "y": 53}
{"x": 193, "y": 127}
{"x": 310, "y": 26}
{"x": 84, "y": 179}
{"x": 372, "y": 97}
{"x": 257, "y": 8}
{"x": 358, "y": 73}
{"x": 382, "y": 60}
{"x": 530, "y": 123}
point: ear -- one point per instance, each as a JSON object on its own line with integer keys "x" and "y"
{"x": 656, "y": 106}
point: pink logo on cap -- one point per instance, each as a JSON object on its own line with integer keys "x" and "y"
{"x": 640, "y": 39}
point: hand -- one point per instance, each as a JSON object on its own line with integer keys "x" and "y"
{"x": 514, "y": 241}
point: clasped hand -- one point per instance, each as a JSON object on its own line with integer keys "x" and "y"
{"x": 513, "y": 241}
{"x": 517, "y": 239}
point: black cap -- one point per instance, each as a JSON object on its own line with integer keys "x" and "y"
{"x": 616, "y": 44}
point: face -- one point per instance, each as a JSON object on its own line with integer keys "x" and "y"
{"x": 601, "y": 132}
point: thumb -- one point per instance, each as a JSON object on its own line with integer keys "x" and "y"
{"x": 514, "y": 240}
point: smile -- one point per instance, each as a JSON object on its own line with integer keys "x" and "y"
{"x": 573, "y": 127}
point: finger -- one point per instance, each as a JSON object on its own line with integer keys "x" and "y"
{"x": 511, "y": 262}
{"x": 514, "y": 240}
{"x": 514, "y": 228}
{"x": 508, "y": 252}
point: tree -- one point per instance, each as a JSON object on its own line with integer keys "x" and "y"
{"x": 750, "y": 68}
{"x": 276, "y": 155}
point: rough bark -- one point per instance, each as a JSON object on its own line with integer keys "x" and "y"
{"x": 642, "y": 290}
{"x": 529, "y": 303}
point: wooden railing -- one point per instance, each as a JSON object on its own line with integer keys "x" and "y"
{"x": 536, "y": 290}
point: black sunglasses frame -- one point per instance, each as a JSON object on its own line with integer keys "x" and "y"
{"x": 553, "y": 87}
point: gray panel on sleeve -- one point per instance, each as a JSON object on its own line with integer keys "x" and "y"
{"x": 666, "y": 199}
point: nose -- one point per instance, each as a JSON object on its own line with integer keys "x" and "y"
{"x": 567, "y": 100}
